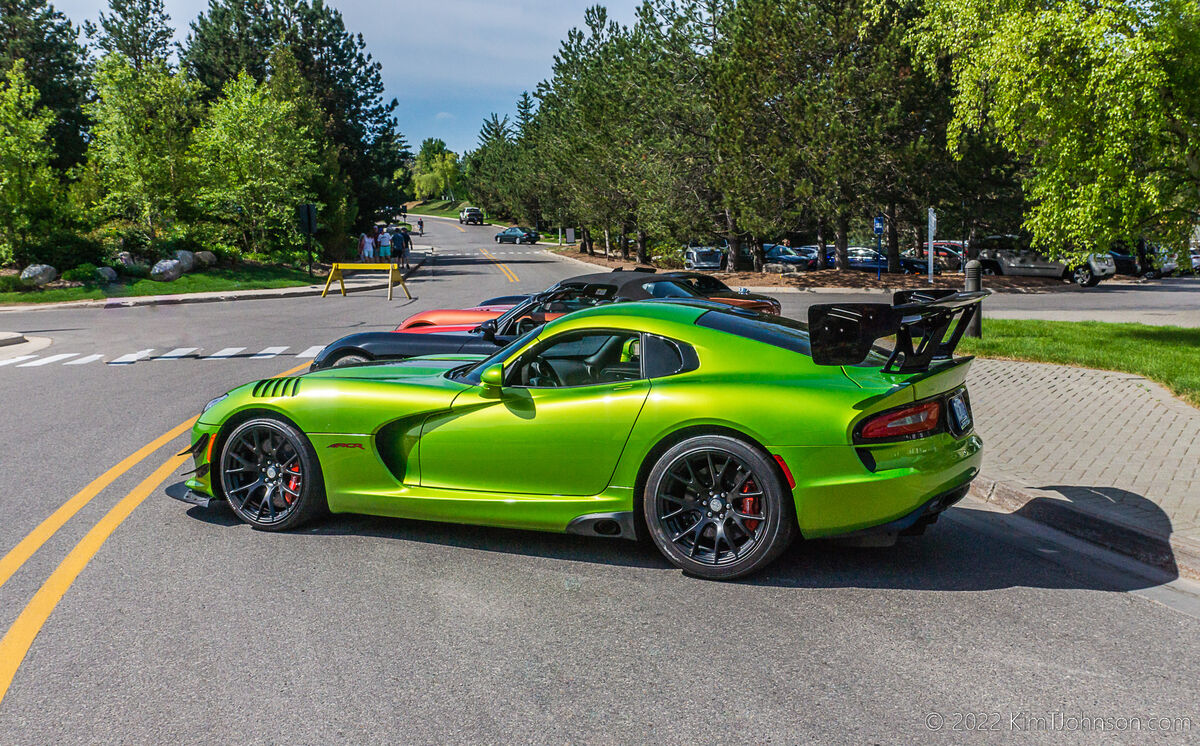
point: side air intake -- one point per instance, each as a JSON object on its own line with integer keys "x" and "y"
{"x": 271, "y": 388}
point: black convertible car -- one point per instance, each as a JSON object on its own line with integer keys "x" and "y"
{"x": 569, "y": 295}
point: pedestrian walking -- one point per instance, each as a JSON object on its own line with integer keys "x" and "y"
{"x": 364, "y": 241}
{"x": 421, "y": 226}
{"x": 405, "y": 241}
{"x": 385, "y": 246}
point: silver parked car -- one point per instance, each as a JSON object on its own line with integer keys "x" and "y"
{"x": 1008, "y": 255}
{"x": 696, "y": 256}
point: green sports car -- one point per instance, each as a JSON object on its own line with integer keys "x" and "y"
{"x": 719, "y": 433}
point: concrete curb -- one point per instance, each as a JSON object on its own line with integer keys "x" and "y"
{"x": 1172, "y": 554}
{"x": 181, "y": 299}
{"x": 11, "y": 338}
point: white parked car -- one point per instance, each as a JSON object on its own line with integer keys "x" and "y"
{"x": 1008, "y": 255}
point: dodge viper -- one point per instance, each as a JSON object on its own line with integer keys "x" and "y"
{"x": 719, "y": 433}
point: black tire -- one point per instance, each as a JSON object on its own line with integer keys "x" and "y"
{"x": 270, "y": 475}
{"x": 991, "y": 269}
{"x": 351, "y": 358}
{"x": 670, "y": 504}
{"x": 497, "y": 239}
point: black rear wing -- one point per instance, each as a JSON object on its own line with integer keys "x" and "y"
{"x": 927, "y": 324}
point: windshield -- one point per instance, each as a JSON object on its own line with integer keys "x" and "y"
{"x": 669, "y": 289}
{"x": 472, "y": 375}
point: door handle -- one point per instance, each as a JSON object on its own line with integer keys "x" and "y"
{"x": 622, "y": 387}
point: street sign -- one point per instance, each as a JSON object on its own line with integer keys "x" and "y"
{"x": 306, "y": 217}
{"x": 929, "y": 245}
{"x": 879, "y": 226}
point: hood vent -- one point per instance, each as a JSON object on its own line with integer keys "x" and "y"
{"x": 273, "y": 387}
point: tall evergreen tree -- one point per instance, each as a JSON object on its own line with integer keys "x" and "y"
{"x": 232, "y": 37}
{"x": 55, "y": 63}
{"x": 138, "y": 29}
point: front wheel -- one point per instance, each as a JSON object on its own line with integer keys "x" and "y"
{"x": 1084, "y": 277}
{"x": 717, "y": 508}
{"x": 270, "y": 475}
{"x": 350, "y": 359}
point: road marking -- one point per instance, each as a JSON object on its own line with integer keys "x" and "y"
{"x": 18, "y": 359}
{"x": 132, "y": 357}
{"x": 268, "y": 353}
{"x": 20, "y": 636}
{"x": 48, "y": 360}
{"x": 17, "y": 641}
{"x": 85, "y": 360}
{"x": 504, "y": 268}
{"x": 12, "y": 561}
{"x": 227, "y": 352}
{"x": 311, "y": 351}
{"x": 177, "y": 353}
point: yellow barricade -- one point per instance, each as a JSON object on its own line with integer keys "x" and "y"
{"x": 394, "y": 276}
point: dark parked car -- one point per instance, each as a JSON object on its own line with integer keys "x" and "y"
{"x": 870, "y": 260}
{"x": 517, "y": 235}
{"x": 711, "y": 287}
{"x": 802, "y": 257}
{"x": 567, "y": 296}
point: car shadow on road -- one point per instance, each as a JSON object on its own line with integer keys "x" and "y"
{"x": 956, "y": 554}
{"x": 1147, "y": 538}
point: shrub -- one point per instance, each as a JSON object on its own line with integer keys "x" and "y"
{"x": 10, "y": 283}
{"x": 62, "y": 250}
{"x": 85, "y": 273}
{"x": 135, "y": 271}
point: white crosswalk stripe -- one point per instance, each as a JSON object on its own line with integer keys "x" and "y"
{"x": 14, "y": 360}
{"x": 268, "y": 352}
{"x": 311, "y": 351}
{"x": 84, "y": 360}
{"x": 48, "y": 360}
{"x": 224, "y": 353}
{"x": 132, "y": 357}
{"x": 177, "y": 353}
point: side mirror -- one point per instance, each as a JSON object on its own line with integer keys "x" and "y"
{"x": 493, "y": 376}
{"x": 488, "y": 329}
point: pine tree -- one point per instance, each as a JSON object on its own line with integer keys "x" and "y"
{"x": 138, "y": 29}
{"x": 55, "y": 63}
{"x": 233, "y": 36}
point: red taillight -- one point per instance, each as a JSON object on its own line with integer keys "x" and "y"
{"x": 903, "y": 423}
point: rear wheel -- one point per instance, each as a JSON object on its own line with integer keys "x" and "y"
{"x": 270, "y": 475}
{"x": 717, "y": 508}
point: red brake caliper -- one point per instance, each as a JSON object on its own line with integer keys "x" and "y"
{"x": 293, "y": 482}
{"x": 750, "y": 504}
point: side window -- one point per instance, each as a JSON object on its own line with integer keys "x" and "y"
{"x": 580, "y": 359}
{"x": 664, "y": 357}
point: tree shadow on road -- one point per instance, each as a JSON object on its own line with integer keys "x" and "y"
{"x": 955, "y": 554}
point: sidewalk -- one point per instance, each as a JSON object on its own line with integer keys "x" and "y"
{"x": 1110, "y": 457}
{"x": 355, "y": 282}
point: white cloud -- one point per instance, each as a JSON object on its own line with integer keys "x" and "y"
{"x": 444, "y": 115}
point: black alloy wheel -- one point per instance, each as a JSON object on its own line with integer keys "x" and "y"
{"x": 270, "y": 475}
{"x": 717, "y": 509}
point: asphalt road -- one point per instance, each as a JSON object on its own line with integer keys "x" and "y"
{"x": 189, "y": 627}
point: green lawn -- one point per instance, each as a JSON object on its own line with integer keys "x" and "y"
{"x": 241, "y": 277}
{"x": 1169, "y": 355}
{"x": 447, "y": 208}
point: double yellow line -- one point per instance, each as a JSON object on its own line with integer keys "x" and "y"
{"x": 20, "y": 636}
{"x": 512, "y": 276}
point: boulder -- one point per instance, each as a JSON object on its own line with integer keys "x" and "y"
{"x": 207, "y": 258}
{"x": 106, "y": 274}
{"x": 125, "y": 259}
{"x": 167, "y": 270}
{"x": 36, "y": 275}
{"x": 186, "y": 259}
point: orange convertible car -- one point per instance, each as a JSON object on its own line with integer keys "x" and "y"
{"x": 631, "y": 286}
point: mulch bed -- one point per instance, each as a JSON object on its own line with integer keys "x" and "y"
{"x": 833, "y": 278}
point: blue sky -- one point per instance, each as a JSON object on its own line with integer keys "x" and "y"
{"x": 449, "y": 62}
